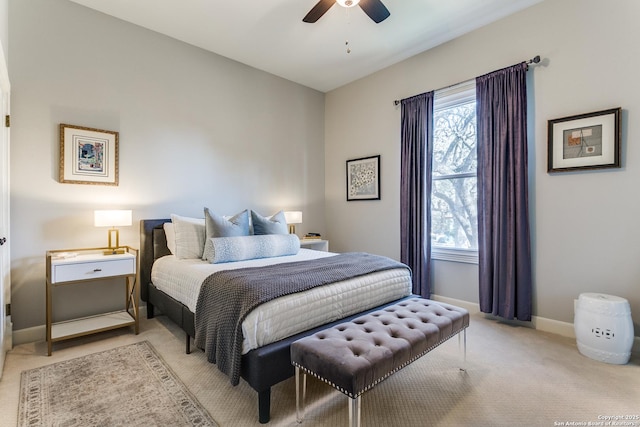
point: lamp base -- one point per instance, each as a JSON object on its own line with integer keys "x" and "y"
{"x": 114, "y": 251}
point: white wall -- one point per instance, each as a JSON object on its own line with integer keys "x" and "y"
{"x": 584, "y": 224}
{"x": 4, "y": 26}
{"x": 196, "y": 130}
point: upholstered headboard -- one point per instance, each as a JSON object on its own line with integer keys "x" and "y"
{"x": 153, "y": 245}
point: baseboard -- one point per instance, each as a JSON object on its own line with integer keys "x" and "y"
{"x": 39, "y": 333}
{"x": 564, "y": 329}
{"x": 27, "y": 335}
{"x": 471, "y": 307}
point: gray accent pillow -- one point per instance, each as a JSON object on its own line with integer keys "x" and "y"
{"x": 220, "y": 226}
{"x": 275, "y": 224}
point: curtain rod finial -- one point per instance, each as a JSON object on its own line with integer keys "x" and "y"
{"x": 534, "y": 60}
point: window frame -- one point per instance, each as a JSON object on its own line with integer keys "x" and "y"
{"x": 461, "y": 93}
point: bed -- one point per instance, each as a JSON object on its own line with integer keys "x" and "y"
{"x": 264, "y": 362}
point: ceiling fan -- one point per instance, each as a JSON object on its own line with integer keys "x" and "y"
{"x": 374, "y": 8}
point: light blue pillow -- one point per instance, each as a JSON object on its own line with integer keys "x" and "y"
{"x": 219, "y": 226}
{"x": 275, "y": 224}
{"x": 229, "y": 249}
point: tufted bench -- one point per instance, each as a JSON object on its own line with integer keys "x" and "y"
{"x": 355, "y": 356}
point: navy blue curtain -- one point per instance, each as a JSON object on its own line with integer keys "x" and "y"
{"x": 415, "y": 189}
{"x": 504, "y": 248}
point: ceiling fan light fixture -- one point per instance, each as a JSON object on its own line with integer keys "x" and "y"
{"x": 374, "y": 9}
{"x": 347, "y": 3}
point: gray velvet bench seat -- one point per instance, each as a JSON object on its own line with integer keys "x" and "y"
{"x": 355, "y": 356}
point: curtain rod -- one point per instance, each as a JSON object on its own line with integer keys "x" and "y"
{"x": 533, "y": 60}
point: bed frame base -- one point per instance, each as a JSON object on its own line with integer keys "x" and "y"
{"x": 265, "y": 366}
{"x": 261, "y": 368}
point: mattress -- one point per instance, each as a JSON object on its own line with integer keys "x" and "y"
{"x": 270, "y": 322}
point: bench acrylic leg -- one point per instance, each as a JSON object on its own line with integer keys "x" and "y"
{"x": 463, "y": 335}
{"x": 301, "y": 391}
{"x": 354, "y": 411}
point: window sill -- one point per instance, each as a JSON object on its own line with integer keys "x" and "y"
{"x": 468, "y": 256}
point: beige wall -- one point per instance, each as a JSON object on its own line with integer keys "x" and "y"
{"x": 585, "y": 237}
{"x": 196, "y": 130}
{"x": 4, "y": 26}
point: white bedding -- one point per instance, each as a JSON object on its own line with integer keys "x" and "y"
{"x": 288, "y": 315}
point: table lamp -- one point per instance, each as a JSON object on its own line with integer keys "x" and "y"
{"x": 293, "y": 217}
{"x": 113, "y": 219}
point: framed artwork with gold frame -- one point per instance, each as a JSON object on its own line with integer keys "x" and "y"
{"x": 88, "y": 155}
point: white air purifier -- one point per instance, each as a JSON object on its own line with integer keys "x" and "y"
{"x": 603, "y": 326}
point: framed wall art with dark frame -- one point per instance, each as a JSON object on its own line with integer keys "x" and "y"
{"x": 363, "y": 178}
{"x": 88, "y": 155}
{"x": 586, "y": 141}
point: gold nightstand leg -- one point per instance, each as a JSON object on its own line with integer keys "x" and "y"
{"x": 136, "y": 308}
{"x": 131, "y": 302}
{"x": 49, "y": 317}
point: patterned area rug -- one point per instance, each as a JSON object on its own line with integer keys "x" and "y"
{"x": 125, "y": 386}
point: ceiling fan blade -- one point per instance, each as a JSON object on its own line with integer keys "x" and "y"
{"x": 375, "y": 9}
{"x": 318, "y": 10}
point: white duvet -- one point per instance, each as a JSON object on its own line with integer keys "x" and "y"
{"x": 291, "y": 314}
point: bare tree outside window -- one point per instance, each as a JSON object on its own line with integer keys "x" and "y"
{"x": 453, "y": 197}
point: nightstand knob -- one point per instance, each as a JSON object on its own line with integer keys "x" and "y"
{"x": 96, "y": 270}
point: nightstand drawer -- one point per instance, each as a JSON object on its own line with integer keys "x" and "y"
{"x": 67, "y": 272}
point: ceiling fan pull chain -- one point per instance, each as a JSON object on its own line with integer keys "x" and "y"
{"x": 348, "y": 29}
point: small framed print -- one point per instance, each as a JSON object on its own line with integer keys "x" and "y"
{"x": 363, "y": 178}
{"x": 586, "y": 141}
{"x": 88, "y": 155}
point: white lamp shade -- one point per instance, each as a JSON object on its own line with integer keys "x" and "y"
{"x": 293, "y": 217}
{"x": 112, "y": 218}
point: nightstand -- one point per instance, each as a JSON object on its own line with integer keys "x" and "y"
{"x": 85, "y": 266}
{"x": 315, "y": 244}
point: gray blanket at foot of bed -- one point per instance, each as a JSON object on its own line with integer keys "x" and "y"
{"x": 227, "y": 297}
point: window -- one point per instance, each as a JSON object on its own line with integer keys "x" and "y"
{"x": 454, "y": 229}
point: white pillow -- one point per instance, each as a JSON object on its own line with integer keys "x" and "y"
{"x": 240, "y": 248}
{"x": 170, "y": 234}
{"x": 190, "y": 236}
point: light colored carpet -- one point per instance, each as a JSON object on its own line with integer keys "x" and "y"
{"x": 515, "y": 376}
{"x": 125, "y": 386}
